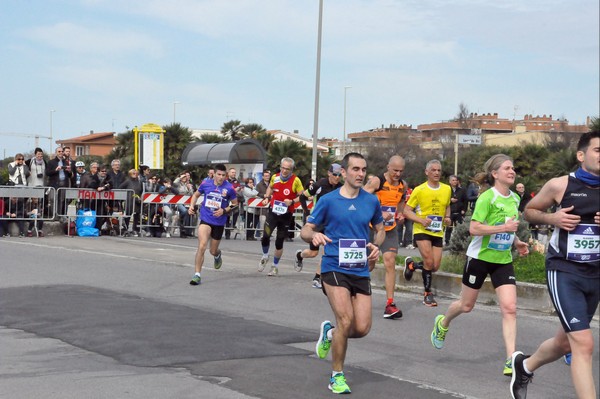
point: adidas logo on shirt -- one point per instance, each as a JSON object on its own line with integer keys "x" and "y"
{"x": 352, "y": 208}
{"x": 354, "y": 245}
{"x": 574, "y": 320}
{"x": 589, "y": 230}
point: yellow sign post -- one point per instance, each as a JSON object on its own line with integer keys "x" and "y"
{"x": 149, "y": 146}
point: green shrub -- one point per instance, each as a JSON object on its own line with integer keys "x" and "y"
{"x": 531, "y": 268}
{"x": 460, "y": 238}
{"x": 453, "y": 263}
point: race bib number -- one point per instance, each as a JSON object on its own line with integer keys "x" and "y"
{"x": 583, "y": 243}
{"x": 392, "y": 210}
{"x": 213, "y": 201}
{"x": 279, "y": 207}
{"x": 352, "y": 253}
{"x": 501, "y": 241}
{"x": 436, "y": 223}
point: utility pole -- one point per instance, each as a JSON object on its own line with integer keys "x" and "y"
{"x": 317, "y": 87}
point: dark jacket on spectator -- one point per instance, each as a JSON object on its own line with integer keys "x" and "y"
{"x": 524, "y": 200}
{"x": 54, "y": 175}
{"x": 460, "y": 206}
{"x": 116, "y": 178}
{"x": 89, "y": 180}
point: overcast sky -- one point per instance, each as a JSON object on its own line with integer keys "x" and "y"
{"x": 105, "y": 65}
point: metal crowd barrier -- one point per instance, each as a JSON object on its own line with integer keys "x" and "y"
{"x": 161, "y": 217}
{"x": 112, "y": 206}
{"x": 23, "y": 203}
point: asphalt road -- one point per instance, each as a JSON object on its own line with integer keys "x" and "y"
{"x": 116, "y": 318}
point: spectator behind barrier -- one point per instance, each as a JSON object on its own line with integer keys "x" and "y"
{"x": 104, "y": 207}
{"x": 115, "y": 173}
{"x": 58, "y": 177}
{"x": 153, "y": 212}
{"x": 56, "y": 170}
{"x": 253, "y": 216}
{"x": 37, "y": 167}
{"x": 16, "y": 212}
{"x": 34, "y": 212}
{"x": 3, "y": 223}
{"x": 133, "y": 201}
{"x": 18, "y": 172}
{"x": 78, "y": 174}
{"x": 183, "y": 186}
{"x": 165, "y": 188}
{"x": 68, "y": 162}
{"x": 233, "y": 216}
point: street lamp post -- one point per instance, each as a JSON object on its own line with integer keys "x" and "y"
{"x": 317, "y": 87}
{"x": 344, "y": 142}
{"x": 51, "y": 141}
{"x": 174, "y": 110}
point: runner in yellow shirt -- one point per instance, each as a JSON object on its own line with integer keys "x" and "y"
{"x": 429, "y": 209}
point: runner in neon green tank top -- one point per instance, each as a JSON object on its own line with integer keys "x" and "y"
{"x": 493, "y": 209}
{"x": 493, "y": 227}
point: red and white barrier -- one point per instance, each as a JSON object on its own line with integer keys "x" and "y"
{"x": 154, "y": 198}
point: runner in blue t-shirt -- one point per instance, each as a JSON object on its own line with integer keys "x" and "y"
{"x": 219, "y": 199}
{"x": 345, "y": 214}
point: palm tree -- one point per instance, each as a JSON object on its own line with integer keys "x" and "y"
{"x": 265, "y": 139}
{"x": 233, "y": 130}
{"x": 123, "y": 150}
{"x": 213, "y": 138}
{"x": 558, "y": 164}
{"x": 176, "y": 139}
{"x": 595, "y": 124}
{"x": 525, "y": 158}
{"x": 253, "y": 129}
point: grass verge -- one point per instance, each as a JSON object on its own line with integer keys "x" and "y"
{"x": 529, "y": 269}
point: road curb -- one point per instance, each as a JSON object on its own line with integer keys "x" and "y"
{"x": 529, "y": 296}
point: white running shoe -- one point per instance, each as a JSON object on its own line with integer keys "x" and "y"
{"x": 263, "y": 263}
{"x": 298, "y": 261}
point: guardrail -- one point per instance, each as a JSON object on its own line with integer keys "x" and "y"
{"x": 113, "y": 207}
{"x": 19, "y": 204}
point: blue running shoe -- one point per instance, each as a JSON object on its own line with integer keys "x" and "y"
{"x": 567, "y": 358}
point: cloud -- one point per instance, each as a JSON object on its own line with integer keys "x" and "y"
{"x": 108, "y": 80}
{"x": 221, "y": 19}
{"x": 97, "y": 41}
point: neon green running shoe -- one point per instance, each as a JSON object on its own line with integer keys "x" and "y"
{"x": 438, "y": 335}
{"x": 508, "y": 367}
{"x": 218, "y": 261}
{"x": 337, "y": 384}
{"x": 323, "y": 344}
{"x": 196, "y": 280}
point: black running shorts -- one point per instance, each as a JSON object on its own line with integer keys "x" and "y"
{"x": 354, "y": 284}
{"x": 216, "y": 232}
{"x": 476, "y": 270}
